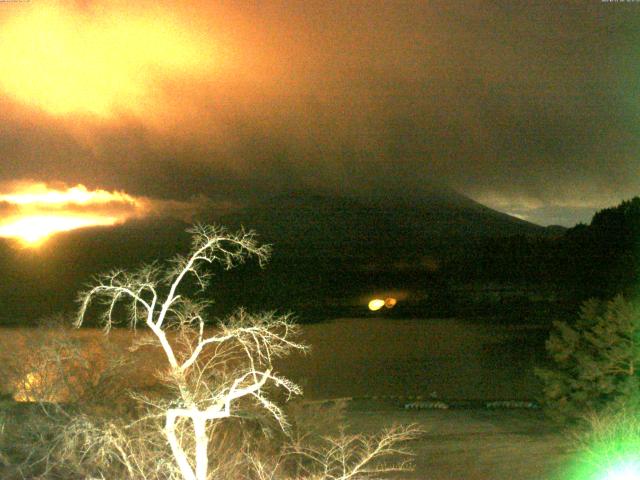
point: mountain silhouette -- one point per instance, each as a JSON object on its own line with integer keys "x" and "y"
{"x": 325, "y": 247}
{"x": 305, "y": 223}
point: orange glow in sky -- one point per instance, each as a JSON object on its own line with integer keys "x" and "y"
{"x": 39, "y": 193}
{"x": 65, "y": 61}
{"x": 35, "y": 211}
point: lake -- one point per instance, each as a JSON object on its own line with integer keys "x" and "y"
{"x": 447, "y": 358}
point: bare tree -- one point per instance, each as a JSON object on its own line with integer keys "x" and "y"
{"x": 243, "y": 347}
{"x": 346, "y": 457}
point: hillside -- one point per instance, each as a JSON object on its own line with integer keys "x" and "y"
{"x": 359, "y": 225}
{"x": 328, "y": 249}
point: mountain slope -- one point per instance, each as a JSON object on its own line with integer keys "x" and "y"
{"x": 324, "y": 247}
{"x": 329, "y": 224}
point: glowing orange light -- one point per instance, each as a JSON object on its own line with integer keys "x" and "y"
{"x": 64, "y": 61}
{"x": 376, "y": 304}
{"x": 26, "y": 387}
{"x": 390, "y": 302}
{"x": 37, "y": 211}
{"x": 35, "y": 229}
{"x": 40, "y": 193}
{"x": 36, "y": 387}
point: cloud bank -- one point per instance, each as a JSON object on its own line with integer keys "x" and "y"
{"x": 30, "y": 212}
{"x": 525, "y": 107}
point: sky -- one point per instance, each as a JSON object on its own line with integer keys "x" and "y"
{"x": 529, "y": 107}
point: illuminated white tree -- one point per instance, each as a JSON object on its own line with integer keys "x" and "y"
{"x": 244, "y": 346}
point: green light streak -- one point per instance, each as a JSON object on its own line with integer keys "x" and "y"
{"x": 624, "y": 471}
{"x": 610, "y": 459}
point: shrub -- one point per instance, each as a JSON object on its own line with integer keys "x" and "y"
{"x": 595, "y": 360}
{"x": 55, "y": 365}
{"x": 60, "y": 382}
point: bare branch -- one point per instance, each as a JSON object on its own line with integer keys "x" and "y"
{"x": 252, "y": 341}
{"x": 350, "y": 457}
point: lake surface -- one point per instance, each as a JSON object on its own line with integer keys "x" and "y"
{"x": 452, "y": 359}
{"x": 447, "y": 358}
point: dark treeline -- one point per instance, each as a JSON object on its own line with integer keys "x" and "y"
{"x": 596, "y": 260}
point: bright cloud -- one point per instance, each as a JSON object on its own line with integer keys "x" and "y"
{"x": 66, "y": 61}
{"x": 31, "y": 212}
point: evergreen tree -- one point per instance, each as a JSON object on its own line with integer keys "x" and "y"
{"x": 596, "y": 360}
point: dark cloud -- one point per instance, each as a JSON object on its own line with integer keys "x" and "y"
{"x": 530, "y": 107}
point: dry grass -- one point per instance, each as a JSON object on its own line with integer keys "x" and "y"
{"x": 473, "y": 444}
{"x": 456, "y": 444}
{"x": 61, "y": 444}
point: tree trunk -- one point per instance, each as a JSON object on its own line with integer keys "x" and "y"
{"x": 176, "y": 449}
{"x": 202, "y": 442}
